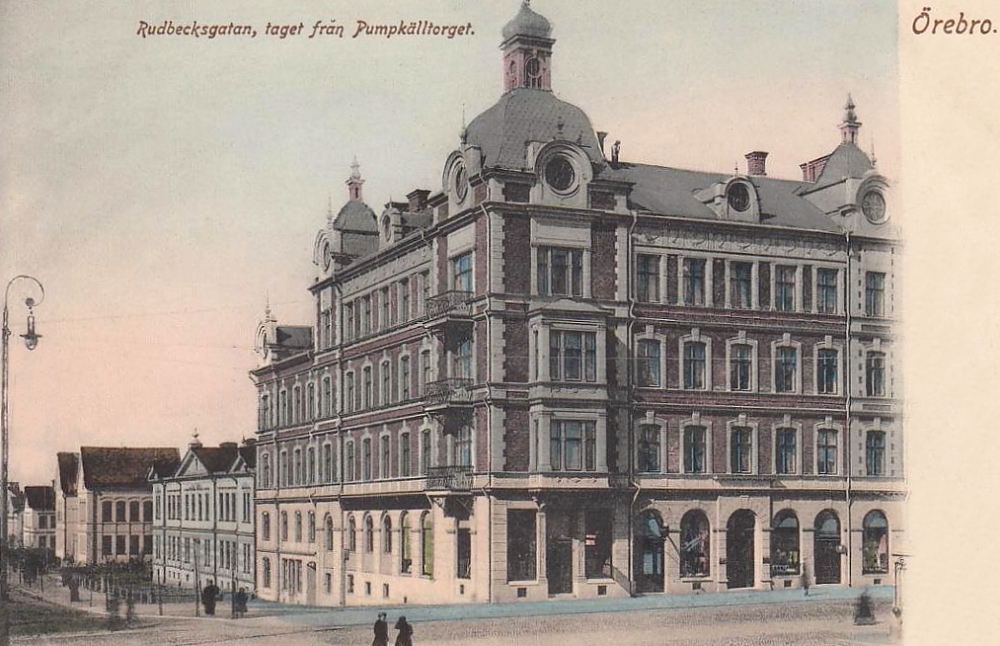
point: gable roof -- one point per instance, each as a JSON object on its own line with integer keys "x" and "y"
{"x": 69, "y": 464}
{"x": 217, "y": 459}
{"x": 121, "y": 467}
{"x": 164, "y": 468}
{"x": 40, "y": 498}
{"x": 671, "y": 191}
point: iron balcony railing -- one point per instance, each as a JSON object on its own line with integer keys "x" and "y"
{"x": 454, "y": 390}
{"x": 454, "y": 478}
{"x": 451, "y": 302}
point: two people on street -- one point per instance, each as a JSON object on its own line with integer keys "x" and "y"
{"x": 381, "y": 629}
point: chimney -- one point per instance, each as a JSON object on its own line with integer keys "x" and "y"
{"x": 227, "y": 445}
{"x": 250, "y": 441}
{"x": 601, "y": 136}
{"x": 756, "y": 163}
{"x": 417, "y": 199}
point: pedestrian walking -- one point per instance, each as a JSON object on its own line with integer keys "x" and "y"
{"x": 804, "y": 579}
{"x": 381, "y": 629}
{"x": 208, "y": 598}
{"x": 240, "y": 603}
{"x": 405, "y": 636}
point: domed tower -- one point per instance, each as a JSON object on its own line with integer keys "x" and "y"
{"x": 527, "y": 50}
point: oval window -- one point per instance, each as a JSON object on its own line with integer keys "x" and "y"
{"x": 461, "y": 183}
{"x": 873, "y": 206}
{"x": 559, "y": 173}
{"x": 739, "y": 197}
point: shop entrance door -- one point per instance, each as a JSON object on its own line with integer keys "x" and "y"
{"x": 826, "y": 540}
{"x": 739, "y": 550}
{"x": 559, "y": 565}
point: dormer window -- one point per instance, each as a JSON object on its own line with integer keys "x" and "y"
{"x": 739, "y": 197}
{"x": 461, "y": 183}
{"x": 560, "y": 174}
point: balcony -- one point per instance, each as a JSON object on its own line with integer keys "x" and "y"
{"x": 454, "y": 392}
{"x": 448, "y": 309}
{"x": 455, "y": 478}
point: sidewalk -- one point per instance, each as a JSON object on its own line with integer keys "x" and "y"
{"x": 270, "y": 613}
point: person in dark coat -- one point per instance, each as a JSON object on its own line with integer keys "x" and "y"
{"x": 240, "y": 603}
{"x": 381, "y": 629}
{"x": 405, "y": 636}
{"x": 208, "y": 597}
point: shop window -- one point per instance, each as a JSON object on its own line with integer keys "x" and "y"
{"x": 597, "y": 544}
{"x": 405, "y": 550}
{"x": 369, "y": 534}
{"x": 648, "y": 363}
{"x": 875, "y": 543}
{"x": 521, "y": 545}
{"x": 560, "y": 271}
{"x": 649, "y": 448}
{"x": 266, "y": 571}
{"x": 652, "y": 547}
{"x": 387, "y": 535}
{"x": 695, "y": 452}
{"x": 785, "y": 544}
{"x": 695, "y": 544}
{"x": 427, "y": 545}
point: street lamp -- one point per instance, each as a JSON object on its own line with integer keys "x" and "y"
{"x": 30, "y": 342}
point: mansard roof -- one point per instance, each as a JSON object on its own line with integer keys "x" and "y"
{"x": 357, "y": 217}
{"x": 847, "y": 160}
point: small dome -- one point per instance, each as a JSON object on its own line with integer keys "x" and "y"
{"x": 527, "y": 23}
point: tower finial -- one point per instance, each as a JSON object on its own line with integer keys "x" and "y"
{"x": 267, "y": 305}
{"x": 850, "y": 126}
{"x": 354, "y": 182}
{"x": 355, "y": 169}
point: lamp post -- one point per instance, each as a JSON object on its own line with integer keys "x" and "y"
{"x": 31, "y": 342}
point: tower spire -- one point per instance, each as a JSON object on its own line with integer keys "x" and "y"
{"x": 354, "y": 182}
{"x": 527, "y": 50}
{"x": 850, "y": 126}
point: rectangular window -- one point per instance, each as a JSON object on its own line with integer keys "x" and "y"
{"x": 384, "y": 466}
{"x": 461, "y": 273}
{"x": 826, "y": 291}
{"x": 133, "y": 544}
{"x": 366, "y": 459}
{"x": 785, "y": 451}
{"x": 425, "y": 371}
{"x": 740, "y": 448}
{"x": 875, "y": 374}
{"x": 106, "y": 516}
{"x": 463, "y": 447}
{"x": 560, "y": 271}
{"x": 425, "y": 290}
{"x": 826, "y": 452}
{"x": 349, "y": 395}
{"x": 404, "y": 300}
{"x": 875, "y": 453}
{"x": 386, "y": 375}
{"x": 349, "y": 462}
{"x": 573, "y": 446}
{"x": 348, "y": 321}
{"x": 310, "y": 401}
{"x": 367, "y": 376}
{"x": 784, "y": 288}
{"x": 694, "y": 281}
{"x": 366, "y": 315}
{"x": 597, "y": 544}
{"x": 404, "y": 378}
{"x": 694, "y": 449}
{"x": 522, "y": 543}
{"x": 105, "y": 546}
{"x": 463, "y": 563}
{"x": 740, "y": 276}
{"x": 694, "y": 366}
{"x": 875, "y": 294}
{"x": 327, "y": 327}
{"x": 425, "y": 451}
{"x": 327, "y": 397}
{"x": 648, "y": 278}
{"x": 120, "y": 511}
{"x": 648, "y": 363}
{"x": 119, "y": 545}
{"x": 404, "y": 455}
{"x": 649, "y": 448}
{"x": 461, "y": 366}
{"x": 826, "y": 372}
{"x": 785, "y": 367}
{"x": 740, "y": 366}
{"x": 383, "y": 301}
{"x": 572, "y": 356}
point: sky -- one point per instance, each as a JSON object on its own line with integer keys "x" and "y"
{"x": 165, "y": 189}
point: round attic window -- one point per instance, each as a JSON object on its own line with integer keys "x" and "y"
{"x": 559, "y": 173}
{"x": 873, "y": 206}
{"x": 327, "y": 256}
{"x": 739, "y": 197}
{"x": 386, "y": 228}
{"x": 461, "y": 183}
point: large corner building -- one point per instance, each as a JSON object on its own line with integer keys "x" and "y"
{"x": 564, "y": 374}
